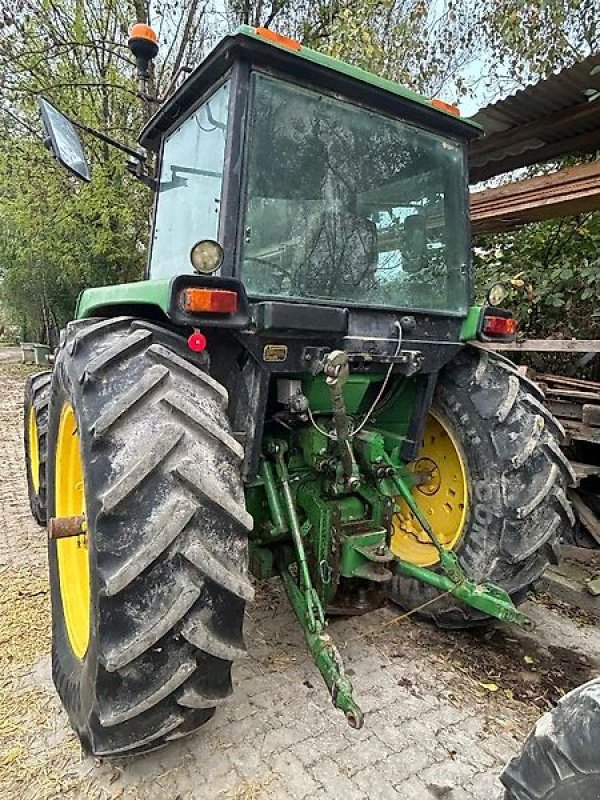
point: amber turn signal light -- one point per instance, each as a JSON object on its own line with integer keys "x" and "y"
{"x": 209, "y": 301}
{"x": 447, "y": 107}
{"x": 499, "y": 326}
{"x": 278, "y": 38}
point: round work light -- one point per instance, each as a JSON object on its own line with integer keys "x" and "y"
{"x": 496, "y": 294}
{"x": 206, "y": 256}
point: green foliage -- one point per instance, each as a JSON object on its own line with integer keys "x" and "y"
{"x": 58, "y": 236}
{"x": 556, "y": 265}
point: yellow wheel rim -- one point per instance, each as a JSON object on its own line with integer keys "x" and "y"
{"x": 72, "y": 552}
{"x": 442, "y": 496}
{"x": 34, "y": 450}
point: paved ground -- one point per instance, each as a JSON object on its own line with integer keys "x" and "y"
{"x": 443, "y": 711}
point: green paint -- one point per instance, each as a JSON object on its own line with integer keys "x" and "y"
{"x": 314, "y": 446}
{"x": 279, "y": 525}
{"x": 93, "y": 302}
{"x": 392, "y": 419}
{"x": 325, "y": 654}
{"x": 361, "y": 551}
{"x": 355, "y": 389}
{"x": 470, "y": 326}
{"x": 353, "y": 72}
{"x": 315, "y": 531}
{"x": 323, "y": 521}
{"x": 488, "y": 598}
{"x": 492, "y": 600}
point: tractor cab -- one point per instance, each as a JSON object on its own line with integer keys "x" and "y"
{"x": 322, "y": 183}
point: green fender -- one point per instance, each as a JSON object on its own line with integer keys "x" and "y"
{"x": 105, "y": 300}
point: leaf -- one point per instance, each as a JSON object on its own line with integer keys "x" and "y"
{"x": 491, "y": 687}
{"x": 528, "y": 659}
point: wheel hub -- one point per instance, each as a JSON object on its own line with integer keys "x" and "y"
{"x": 441, "y": 492}
{"x": 429, "y": 478}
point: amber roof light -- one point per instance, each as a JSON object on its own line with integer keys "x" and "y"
{"x": 142, "y": 31}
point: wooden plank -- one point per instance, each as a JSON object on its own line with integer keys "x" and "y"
{"x": 564, "y": 410}
{"x": 587, "y": 517}
{"x": 591, "y": 415}
{"x": 545, "y": 346}
{"x": 573, "y": 190}
{"x": 572, "y": 394}
{"x": 545, "y": 377}
{"x": 582, "y": 470}
{"x": 581, "y": 432}
{"x": 526, "y": 372}
{"x": 570, "y": 588}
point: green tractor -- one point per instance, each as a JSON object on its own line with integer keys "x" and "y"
{"x": 293, "y": 390}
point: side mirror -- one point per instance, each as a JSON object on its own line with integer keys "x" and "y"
{"x": 64, "y": 140}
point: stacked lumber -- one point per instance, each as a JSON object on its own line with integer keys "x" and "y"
{"x": 575, "y": 402}
{"x": 573, "y": 190}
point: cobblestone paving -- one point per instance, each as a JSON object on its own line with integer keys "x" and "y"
{"x": 436, "y": 725}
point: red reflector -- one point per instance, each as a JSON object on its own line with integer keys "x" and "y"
{"x": 499, "y": 326}
{"x": 197, "y": 342}
{"x": 209, "y": 301}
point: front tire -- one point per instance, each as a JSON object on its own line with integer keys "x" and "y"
{"x": 166, "y": 538}
{"x": 35, "y": 419}
{"x": 517, "y": 507}
{"x": 560, "y": 759}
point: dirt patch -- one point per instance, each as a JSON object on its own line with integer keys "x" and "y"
{"x": 510, "y": 676}
{"x": 31, "y": 764}
{"x": 578, "y": 615}
{"x": 520, "y": 669}
{"x": 12, "y": 370}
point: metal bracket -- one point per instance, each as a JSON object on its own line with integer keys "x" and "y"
{"x": 490, "y": 599}
{"x": 307, "y": 605}
{"x": 336, "y": 370}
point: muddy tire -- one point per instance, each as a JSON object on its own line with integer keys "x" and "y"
{"x": 560, "y": 760}
{"x": 35, "y": 419}
{"x": 517, "y": 479}
{"x": 166, "y": 537}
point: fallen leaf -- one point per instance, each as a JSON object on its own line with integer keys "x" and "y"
{"x": 491, "y": 687}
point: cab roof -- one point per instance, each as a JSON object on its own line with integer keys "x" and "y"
{"x": 264, "y": 48}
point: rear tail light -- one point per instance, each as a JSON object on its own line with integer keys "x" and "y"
{"x": 499, "y": 326}
{"x": 209, "y": 301}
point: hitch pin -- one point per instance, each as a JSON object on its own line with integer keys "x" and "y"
{"x": 66, "y": 527}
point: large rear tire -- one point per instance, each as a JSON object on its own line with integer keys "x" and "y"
{"x": 147, "y": 606}
{"x": 35, "y": 419}
{"x": 560, "y": 759}
{"x": 516, "y": 478}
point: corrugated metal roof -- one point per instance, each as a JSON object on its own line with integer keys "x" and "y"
{"x": 550, "y": 118}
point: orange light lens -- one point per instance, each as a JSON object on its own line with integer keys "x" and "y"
{"x": 279, "y": 38}
{"x": 142, "y": 31}
{"x": 499, "y": 326}
{"x": 448, "y": 107}
{"x": 209, "y": 301}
